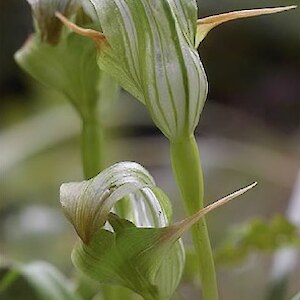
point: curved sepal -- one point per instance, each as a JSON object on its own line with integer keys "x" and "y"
{"x": 87, "y": 204}
{"x": 69, "y": 68}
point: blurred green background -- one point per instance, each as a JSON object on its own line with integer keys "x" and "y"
{"x": 249, "y": 131}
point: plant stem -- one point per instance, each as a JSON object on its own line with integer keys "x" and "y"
{"x": 187, "y": 169}
{"x": 92, "y": 144}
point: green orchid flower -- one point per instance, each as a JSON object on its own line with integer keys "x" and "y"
{"x": 150, "y": 48}
{"x": 139, "y": 249}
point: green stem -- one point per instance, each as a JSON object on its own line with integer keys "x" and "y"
{"x": 187, "y": 169}
{"x": 92, "y": 144}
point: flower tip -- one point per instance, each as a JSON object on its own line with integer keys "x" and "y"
{"x": 249, "y": 187}
{"x": 278, "y": 9}
{"x": 289, "y": 7}
{"x": 97, "y": 36}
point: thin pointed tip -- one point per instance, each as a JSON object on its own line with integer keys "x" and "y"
{"x": 180, "y": 227}
{"x": 252, "y": 185}
{"x": 242, "y": 190}
{"x": 97, "y": 36}
{"x": 280, "y": 8}
{"x": 289, "y": 7}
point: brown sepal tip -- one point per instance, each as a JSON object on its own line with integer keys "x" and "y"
{"x": 97, "y": 36}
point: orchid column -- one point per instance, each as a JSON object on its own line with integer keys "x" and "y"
{"x": 149, "y": 48}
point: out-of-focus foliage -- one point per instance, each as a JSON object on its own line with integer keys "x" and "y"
{"x": 257, "y": 235}
{"x": 296, "y": 297}
{"x": 34, "y": 281}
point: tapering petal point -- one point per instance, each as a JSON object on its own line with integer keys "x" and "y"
{"x": 180, "y": 227}
{"x": 97, "y": 36}
{"x": 221, "y": 18}
{"x": 205, "y": 25}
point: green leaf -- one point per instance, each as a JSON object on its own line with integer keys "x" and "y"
{"x": 35, "y": 281}
{"x": 149, "y": 50}
{"x": 255, "y": 236}
{"x": 205, "y": 25}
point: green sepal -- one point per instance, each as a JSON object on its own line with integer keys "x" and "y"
{"x": 148, "y": 261}
{"x": 132, "y": 257}
{"x": 69, "y": 67}
{"x": 142, "y": 252}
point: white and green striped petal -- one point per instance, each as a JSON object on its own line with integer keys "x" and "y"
{"x": 150, "y": 51}
{"x": 88, "y": 203}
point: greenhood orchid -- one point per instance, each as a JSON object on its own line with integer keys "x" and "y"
{"x": 150, "y": 49}
{"x": 139, "y": 249}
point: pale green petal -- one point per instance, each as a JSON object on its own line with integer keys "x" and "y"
{"x": 69, "y": 67}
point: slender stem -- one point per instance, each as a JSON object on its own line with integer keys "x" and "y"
{"x": 187, "y": 169}
{"x": 92, "y": 144}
